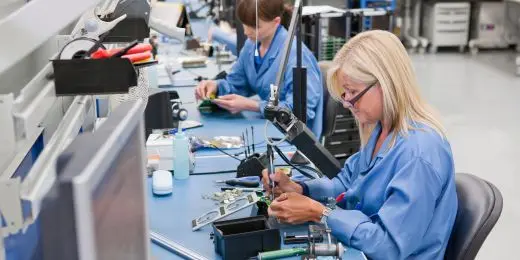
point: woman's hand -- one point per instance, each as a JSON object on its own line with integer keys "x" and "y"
{"x": 205, "y": 89}
{"x": 235, "y": 103}
{"x": 294, "y": 208}
{"x": 283, "y": 183}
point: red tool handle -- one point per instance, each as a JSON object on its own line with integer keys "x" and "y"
{"x": 143, "y": 47}
{"x": 138, "y": 56}
{"x": 139, "y": 49}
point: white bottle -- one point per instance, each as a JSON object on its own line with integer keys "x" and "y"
{"x": 181, "y": 161}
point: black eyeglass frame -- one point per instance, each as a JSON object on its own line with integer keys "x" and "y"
{"x": 355, "y": 99}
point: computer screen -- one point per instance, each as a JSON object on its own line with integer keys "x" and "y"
{"x": 97, "y": 210}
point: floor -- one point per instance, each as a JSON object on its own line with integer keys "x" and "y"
{"x": 478, "y": 100}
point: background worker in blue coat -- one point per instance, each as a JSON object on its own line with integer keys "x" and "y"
{"x": 397, "y": 197}
{"x": 258, "y": 64}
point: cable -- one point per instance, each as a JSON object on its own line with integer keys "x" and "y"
{"x": 224, "y": 152}
{"x": 216, "y": 172}
{"x": 268, "y": 140}
{"x": 286, "y": 160}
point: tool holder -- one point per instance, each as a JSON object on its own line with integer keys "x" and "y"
{"x": 252, "y": 165}
{"x": 93, "y": 76}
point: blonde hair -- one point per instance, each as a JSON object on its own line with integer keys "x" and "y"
{"x": 379, "y": 56}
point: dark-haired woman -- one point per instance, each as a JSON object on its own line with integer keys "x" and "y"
{"x": 259, "y": 62}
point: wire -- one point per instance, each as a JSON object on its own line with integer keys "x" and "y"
{"x": 286, "y": 160}
{"x": 216, "y": 172}
{"x": 268, "y": 140}
{"x": 224, "y": 152}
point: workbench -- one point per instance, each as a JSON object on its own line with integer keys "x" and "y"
{"x": 171, "y": 216}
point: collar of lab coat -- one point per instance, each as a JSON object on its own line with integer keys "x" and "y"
{"x": 272, "y": 54}
{"x": 367, "y": 151}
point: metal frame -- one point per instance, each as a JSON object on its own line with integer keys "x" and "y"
{"x": 22, "y": 118}
{"x": 43, "y": 173}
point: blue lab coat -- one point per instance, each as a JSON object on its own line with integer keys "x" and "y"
{"x": 245, "y": 80}
{"x": 228, "y": 39}
{"x": 400, "y": 205}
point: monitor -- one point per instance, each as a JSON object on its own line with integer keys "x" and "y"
{"x": 96, "y": 209}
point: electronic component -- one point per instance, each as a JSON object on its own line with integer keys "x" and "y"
{"x": 226, "y": 196}
{"x": 193, "y": 62}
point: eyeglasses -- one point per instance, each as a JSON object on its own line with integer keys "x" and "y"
{"x": 352, "y": 101}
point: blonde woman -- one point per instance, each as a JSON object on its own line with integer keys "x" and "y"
{"x": 397, "y": 197}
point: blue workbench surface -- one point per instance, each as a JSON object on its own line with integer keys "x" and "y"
{"x": 224, "y": 124}
{"x": 171, "y": 216}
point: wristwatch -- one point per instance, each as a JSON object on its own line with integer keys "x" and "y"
{"x": 325, "y": 214}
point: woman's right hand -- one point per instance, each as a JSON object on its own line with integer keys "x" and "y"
{"x": 205, "y": 89}
{"x": 283, "y": 183}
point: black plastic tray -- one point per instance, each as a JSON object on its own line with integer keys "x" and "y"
{"x": 93, "y": 76}
{"x": 245, "y": 237}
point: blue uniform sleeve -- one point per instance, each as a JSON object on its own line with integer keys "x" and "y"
{"x": 324, "y": 188}
{"x": 236, "y": 80}
{"x": 228, "y": 39}
{"x": 400, "y": 224}
{"x": 314, "y": 86}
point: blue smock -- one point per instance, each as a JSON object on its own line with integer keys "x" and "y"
{"x": 228, "y": 39}
{"x": 400, "y": 205}
{"x": 246, "y": 81}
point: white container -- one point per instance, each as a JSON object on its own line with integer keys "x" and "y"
{"x": 181, "y": 163}
{"x": 446, "y": 24}
{"x": 160, "y": 145}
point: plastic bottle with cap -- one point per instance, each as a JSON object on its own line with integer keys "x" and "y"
{"x": 181, "y": 162}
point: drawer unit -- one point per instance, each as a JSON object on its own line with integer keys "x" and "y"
{"x": 446, "y": 24}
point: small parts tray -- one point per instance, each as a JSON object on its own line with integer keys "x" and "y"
{"x": 244, "y": 238}
{"x": 93, "y": 76}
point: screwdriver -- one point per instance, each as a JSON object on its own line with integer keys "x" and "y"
{"x": 249, "y": 182}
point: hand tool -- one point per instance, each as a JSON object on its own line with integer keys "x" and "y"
{"x": 249, "y": 181}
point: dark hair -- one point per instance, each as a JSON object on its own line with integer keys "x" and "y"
{"x": 268, "y": 10}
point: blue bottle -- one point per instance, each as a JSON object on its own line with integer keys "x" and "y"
{"x": 181, "y": 162}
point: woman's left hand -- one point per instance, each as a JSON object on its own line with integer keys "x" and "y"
{"x": 294, "y": 208}
{"x": 236, "y": 103}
